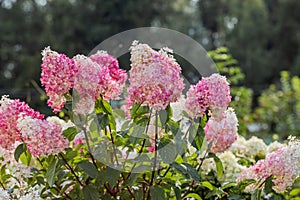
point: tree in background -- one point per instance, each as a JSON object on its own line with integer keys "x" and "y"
{"x": 263, "y": 35}
{"x": 27, "y": 26}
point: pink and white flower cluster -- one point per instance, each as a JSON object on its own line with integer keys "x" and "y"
{"x": 154, "y": 77}
{"x": 42, "y": 137}
{"x": 222, "y": 133}
{"x": 92, "y": 77}
{"x": 9, "y": 114}
{"x": 20, "y": 123}
{"x": 117, "y": 76}
{"x": 283, "y": 164}
{"x": 58, "y": 76}
{"x": 211, "y": 93}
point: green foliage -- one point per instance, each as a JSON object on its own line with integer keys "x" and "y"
{"x": 279, "y": 107}
{"x": 261, "y": 34}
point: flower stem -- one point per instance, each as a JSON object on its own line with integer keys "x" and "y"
{"x": 155, "y": 155}
{"x": 71, "y": 169}
{"x": 143, "y": 144}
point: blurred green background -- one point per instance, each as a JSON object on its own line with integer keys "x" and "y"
{"x": 252, "y": 42}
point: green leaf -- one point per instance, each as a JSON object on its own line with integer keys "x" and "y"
{"x": 243, "y": 184}
{"x": 177, "y": 193}
{"x": 106, "y": 107}
{"x": 295, "y": 192}
{"x": 173, "y": 126}
{"x": 90, "y": 193}
{"x": 194, "y": 195}
{"x": 112, "y": 122}
{"x": 219, "y": 165}
{"x": 137, "y": 110}
{"x": 112, "y": 175}
{"x": 88, "y": 168}
{"x": 137, "y": 131}
{"x": 163, "y": 116}
{"x": 103, "y": 120}
{"x": 208, "y": 185}
{"x": 192, "y": 172}
{"x": 19, "y": 150}
{"x": 180, "y": 169}
{"x": 25, "y": 158}
{"x": 102, "y": 106}
{"x": 51, "y": 172}
{"x": 268, "y": 185}
{"x": 157, "y": 193}
{"x": 196, "y": 138}
{"x": 256, "y": 195}
{"x": 168, "y": 153}
{"x": 70, "y": 133}
{"x": 228, "y": 185}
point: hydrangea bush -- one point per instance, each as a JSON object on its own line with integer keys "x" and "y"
{"x": 160, "y": 145}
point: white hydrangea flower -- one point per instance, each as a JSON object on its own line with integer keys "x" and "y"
{"x": 19, "y": 170}
{"x": 177, "y": 108}
{"x": 4, "y": 194}
{"x": 231, "y": 167}
{"x": 274, "y": 146}
{"x": 256, "y": 147}
{"x": 239, "y": 146}
{"x": 62, "y": 123}
{"x": 32, "y": 194}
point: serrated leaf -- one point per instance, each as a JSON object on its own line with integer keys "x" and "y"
{"x": 90, "y": 193}
{"x": 88, "y": 168}
{"x": 19, "y": 150}
{"x": 70, "y": 133}
{"x": 51, "y": 172}
{"x": 157, "y": 193}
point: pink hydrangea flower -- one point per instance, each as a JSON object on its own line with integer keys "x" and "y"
{"x": 197, "y": 100}
{"x": 118, "y": 76}
{"x": 222, "y": 132}
{"x": 91, "y": 81}
{"x": 9, "y": 114}
{"x": 212, "y": 93}
{"x": 154, "y": 77}
{"x": 282, "y": 164}
{"x": 219, "y": 92}
{"x": 151, "y": 149}
{"x": 42, "y": 137}
{"x": 58, "y": 75}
